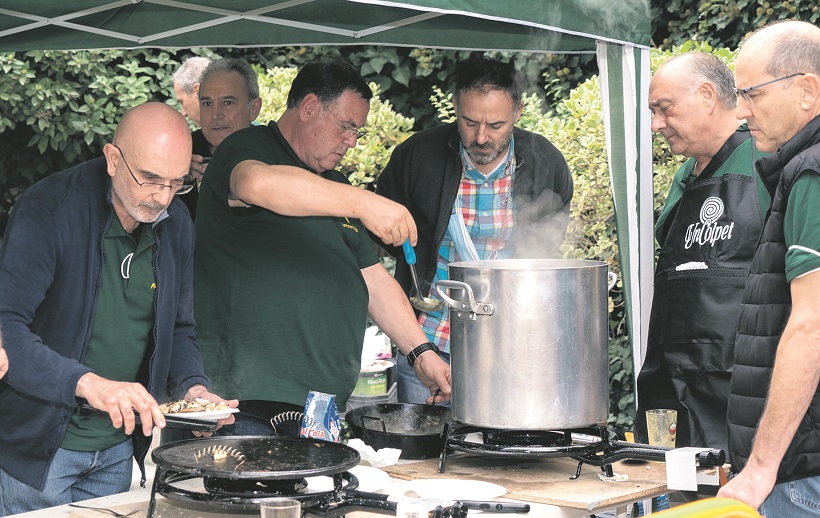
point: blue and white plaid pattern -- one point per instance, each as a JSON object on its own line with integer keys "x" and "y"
{"x": 486, "y": 205}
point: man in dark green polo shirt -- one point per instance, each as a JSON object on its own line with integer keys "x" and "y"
{"x": 286, "y": 273}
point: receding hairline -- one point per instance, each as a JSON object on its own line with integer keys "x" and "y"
{"x": 154, "y": 114}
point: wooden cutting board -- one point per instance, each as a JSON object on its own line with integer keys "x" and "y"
{"x": 546, "y": 480}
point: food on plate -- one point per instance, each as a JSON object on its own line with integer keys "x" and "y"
{"x": 197, "y": 405}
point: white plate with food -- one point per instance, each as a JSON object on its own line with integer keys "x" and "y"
{"x": 214, "y": 415}
{"x": 197, "y": 409}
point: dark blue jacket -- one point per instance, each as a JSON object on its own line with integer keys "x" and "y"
{"x": 50, "y": 274}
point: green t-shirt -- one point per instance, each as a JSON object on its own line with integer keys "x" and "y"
{"x": 123, "y": 321}
{"x": 281, "y": 304}
{"x": 740, "y": 162}
{"x": 801, "y": 226}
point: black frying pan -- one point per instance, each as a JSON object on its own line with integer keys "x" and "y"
{"x": 415, "y": 429}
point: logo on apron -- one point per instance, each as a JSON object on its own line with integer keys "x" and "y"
{"x": 708, "y": 231}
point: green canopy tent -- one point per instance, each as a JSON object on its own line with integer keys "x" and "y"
{"x": 616, "y": 31}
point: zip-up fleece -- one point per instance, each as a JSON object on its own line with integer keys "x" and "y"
{"x": 51, "y": 264}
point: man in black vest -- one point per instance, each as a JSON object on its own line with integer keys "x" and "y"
{"x": 774, "y": 404}
{"x": 707, "y": 232}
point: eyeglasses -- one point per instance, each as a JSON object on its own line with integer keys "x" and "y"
{"x": 153, "y": 188}
{"x": 349, "y": 131}
{"x": 744, "y": 92}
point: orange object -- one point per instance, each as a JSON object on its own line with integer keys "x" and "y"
{"x": 710, "y": 508}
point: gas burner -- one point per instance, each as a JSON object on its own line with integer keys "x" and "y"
{"x": 256, "y": 469}
{"x": 237, "y": 488}
{"x": 527, "y": 438}
{"x": 588, "y": 445}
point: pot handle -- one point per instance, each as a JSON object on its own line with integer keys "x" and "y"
{"x": 478, "y": 308}
{"x": 376, "y": 419}
{"x": 612, "y": 280}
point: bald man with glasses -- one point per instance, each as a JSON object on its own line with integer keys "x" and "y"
{"x": 96, "y": 306}
{"x": 774, "y": 400}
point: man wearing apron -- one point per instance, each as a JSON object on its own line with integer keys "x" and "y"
{"x": 708, "y": 231}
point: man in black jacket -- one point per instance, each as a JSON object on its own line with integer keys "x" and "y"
{"x": 478, "y": 189}
{"x": 774, "y": 401}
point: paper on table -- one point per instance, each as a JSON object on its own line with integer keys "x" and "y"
{"x": 377, "y": 459}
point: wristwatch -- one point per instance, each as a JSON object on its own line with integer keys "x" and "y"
{"x": 415, "y": 353}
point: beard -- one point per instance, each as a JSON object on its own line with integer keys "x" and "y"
{"x": 483, "y": 154}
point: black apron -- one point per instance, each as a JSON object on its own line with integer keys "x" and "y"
{"x": 690, "y": 346}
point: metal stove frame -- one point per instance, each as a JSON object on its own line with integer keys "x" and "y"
{"x": 600, "y": 450}
{"x": 343, "y": 498}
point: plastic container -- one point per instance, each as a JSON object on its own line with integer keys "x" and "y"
{"x": 373, "y": 379}
{"x": 359, "y": 401}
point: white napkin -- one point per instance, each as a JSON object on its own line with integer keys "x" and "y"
{"x": 377, "y": 459}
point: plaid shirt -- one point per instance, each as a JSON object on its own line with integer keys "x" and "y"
{"x": 486, "y": 206}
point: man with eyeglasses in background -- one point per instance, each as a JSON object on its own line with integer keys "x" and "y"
{"x": 286, "y": 273}
{"x": 96, "y": 306}
{"x": 229, "y": 101}
{"x": 774, "y": 400}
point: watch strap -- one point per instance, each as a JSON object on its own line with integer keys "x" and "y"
{"x": 415, "y": 353}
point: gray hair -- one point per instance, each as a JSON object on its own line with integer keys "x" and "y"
{"x": 793, "y": 52}
{"x": 235, "y": 65}
{"x": 700, "y": 67}
{"x": 188, "y": 74}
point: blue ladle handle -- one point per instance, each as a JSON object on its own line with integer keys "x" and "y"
{"x": 409, "y": 253}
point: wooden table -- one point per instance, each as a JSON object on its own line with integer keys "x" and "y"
{"x": 547, "y": 481}
{"x": 544, "y": 483}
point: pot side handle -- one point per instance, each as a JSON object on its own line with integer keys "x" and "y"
{"x": 471, "y": 305}
{"x": 376, "y": 420}
{"x": 613, "y": 278}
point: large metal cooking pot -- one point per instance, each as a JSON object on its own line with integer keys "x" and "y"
{"x": 528, "y": 342}
{"x": 414, "y": 429}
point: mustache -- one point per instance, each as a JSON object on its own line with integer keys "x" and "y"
{"x": 154, "y": 207}
{"x": 484, "y": 147}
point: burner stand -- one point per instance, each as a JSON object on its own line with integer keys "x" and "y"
{"x": 593, "y": 446}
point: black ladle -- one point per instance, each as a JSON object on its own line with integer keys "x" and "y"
{"x": 419, "y": 302}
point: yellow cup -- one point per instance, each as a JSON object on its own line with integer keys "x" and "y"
{"x": 661, "y": 427}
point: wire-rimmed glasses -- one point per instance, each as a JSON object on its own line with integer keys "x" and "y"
{"x": 744, "y": 92}
{"x": 349, "y": 131}
{"x": 178, "y": 187}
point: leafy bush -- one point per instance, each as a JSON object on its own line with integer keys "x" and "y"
{"x": 723, "y": 23}
{"x": 59, "y": 108}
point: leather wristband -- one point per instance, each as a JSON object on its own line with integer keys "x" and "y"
{"x": 415, "y": 353}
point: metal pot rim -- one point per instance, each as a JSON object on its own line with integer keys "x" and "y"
{"x": 528, "y": 264}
